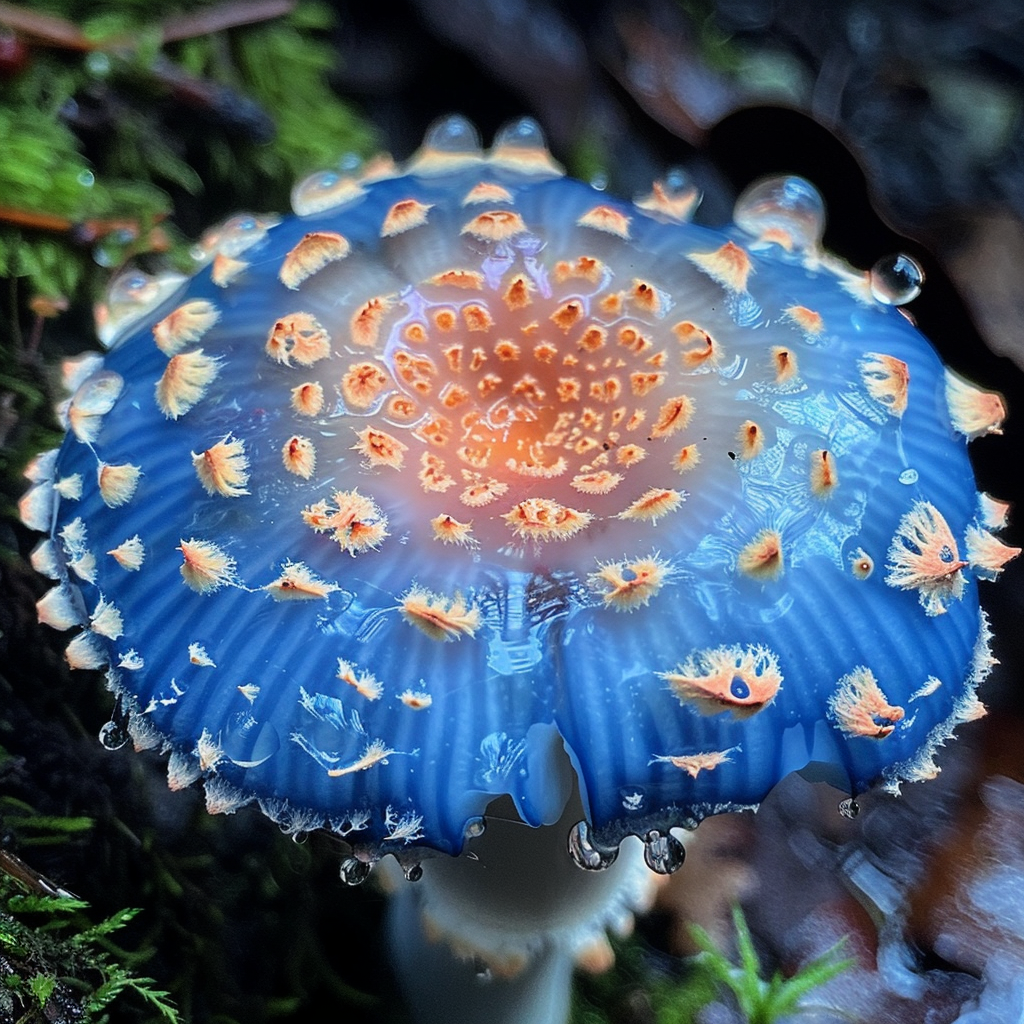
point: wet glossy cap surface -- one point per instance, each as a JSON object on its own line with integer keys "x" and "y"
{"x": 470, "y": 457}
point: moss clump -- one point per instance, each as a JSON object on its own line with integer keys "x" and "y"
{"x": 109, "y": 114}
{"x": 56, "y": 965}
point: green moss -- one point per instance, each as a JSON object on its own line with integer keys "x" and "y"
{"x": 93, "y": 140}
{"x": 676, "y": 991}
{"x": 56, "y": 964}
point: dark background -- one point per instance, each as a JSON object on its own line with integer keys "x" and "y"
{"x": 907, "y": 117}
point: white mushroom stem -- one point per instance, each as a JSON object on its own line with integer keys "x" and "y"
{"x": 439, "y": 987}
{"x": 496, "y": 933}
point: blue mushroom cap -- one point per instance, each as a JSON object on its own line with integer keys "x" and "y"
{"x": 466, "y": 460}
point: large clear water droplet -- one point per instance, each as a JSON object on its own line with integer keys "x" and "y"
{"x": 586, "y": 853}
{"x": 849, "y": 808}
{"x": 248, "y": 742}
{"x": 787, "y": 210}
{"x": 475, "y": 827}
{"x": 452, "y": 134}
{"x": 129, "y": 297}
{"x": 323, "y": 190}
{"x": 353, "y": 871}
{"x": 523, "y": 133}
{"x": 75, "y": 371}
{"x": 234, "y": 236}
{"x": 896, "y": 279}
{"x": 95, "y": 396}
{"x": 681, "y": 191}
{"x": 114, "y": 735}
{"x": 677, "y": 183}
{"x": 674, "y": 196}
{"x": 663, "y": 853}
{"x": 412, "y": 872}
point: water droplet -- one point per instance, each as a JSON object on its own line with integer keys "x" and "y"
{"x": 298, "y": 838}
{"x": 675, "y": 195}
{"x": 413, "y": 872}
{"x": 677, "y": 183}
{"x": 114, "y": 735}
{"x": 475, "y": 827}
{"x": 86, "y": 179}
{"x": 353, "y": 871}
{"x": 131, "y": 288}
{"x": 350, "y": 163}
{"x": 586, "y": 853}
{"x": 98, "y": 63}
{"x": 324, "y": 190}
{"x": 787, "y": 210}
{"x": 248, "y": 742}
{"x": 663, "y": 853}
{"x": 908, "y": 476}
{"x": 849, "y": 808}
{"x": 523, "y": 133}
{"x": 233, "y": 236}
{"x": 896, "y": 279}
{"x": 95, "y": 396}
{"x": 452, "y": 134}
{"x": 129, "y": 297}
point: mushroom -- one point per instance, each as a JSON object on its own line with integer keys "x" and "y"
{"x": 470, "y": 483}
